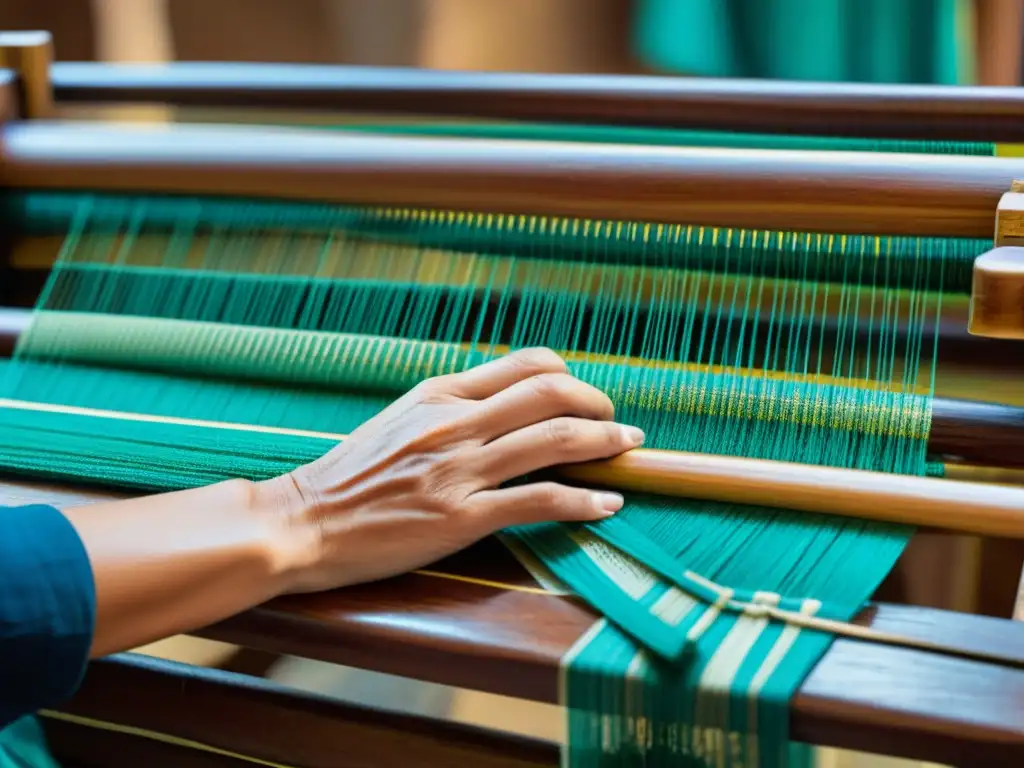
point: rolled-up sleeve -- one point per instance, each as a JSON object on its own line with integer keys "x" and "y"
{"x": 47, "y": 610}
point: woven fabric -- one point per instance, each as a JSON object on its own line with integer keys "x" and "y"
{"x": 809, "y": 348}
{"x": 878, "y": 41}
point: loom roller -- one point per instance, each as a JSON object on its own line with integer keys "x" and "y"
{"x": 41, "y": 155}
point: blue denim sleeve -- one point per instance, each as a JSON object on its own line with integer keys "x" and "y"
{"x": 47, "y": 610}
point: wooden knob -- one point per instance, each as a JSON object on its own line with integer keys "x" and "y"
{"x": 997, "y": 294}
{"x": 30, "y": 55}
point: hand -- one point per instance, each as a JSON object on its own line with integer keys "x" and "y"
{"x": 421, "y": 479}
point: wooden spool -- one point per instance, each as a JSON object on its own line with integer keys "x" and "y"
{"x": 997, "y": 294}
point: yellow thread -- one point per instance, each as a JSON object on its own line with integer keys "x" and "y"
{"x": 166, "y": 738}
{"x": 492, "y": 584}
{"x": 25, "y": 405}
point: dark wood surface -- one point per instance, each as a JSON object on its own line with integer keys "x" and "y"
{"x": 877, "y": 193}
{"x": 78, "y": 746}
{"x": 10, "y": 95}
{"x": 860, "y": 696}
{"x": 965, "y": 429}
{"x": 898, "y": 111}
{"x": 477, "y": 621}
{"x": 256, "y": 718}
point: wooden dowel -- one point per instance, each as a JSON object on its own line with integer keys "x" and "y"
{"x": 964, "y": 431}
{"x": 976, "y": 508}
{"x": 763, "y": 106}
{"x": 757, "y": 189}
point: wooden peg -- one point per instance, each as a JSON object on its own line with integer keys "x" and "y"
{"x": 997, "y": 294}
{"x": 30, "y": 55}
{"x": 1010, "y": 219}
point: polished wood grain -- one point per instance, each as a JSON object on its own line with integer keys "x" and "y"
{"x": 260, "y": 720}
{"x": 30, "y": 55}
{"x": 478, "y": 621}
{"x": 963, "y": 428}
{"x": 859, "y": 696}
{"x": 875, "y": 193}
{"x": 997, "y": 303}
{"x": 82, "y": 747}
{"x": 824, "y": 109}
{"x": 980, "y": 508}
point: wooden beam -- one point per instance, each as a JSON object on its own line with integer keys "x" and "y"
{"x": 851, "y": 193}
{"x": 181, "y": 715}
{"x": 822, "y": 109}
{"x": 478, "y": 621}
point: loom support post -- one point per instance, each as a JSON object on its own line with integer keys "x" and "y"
{"x": 30, "y": 55}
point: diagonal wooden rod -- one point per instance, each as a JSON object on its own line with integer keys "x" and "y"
{"x": 975, "y": 508}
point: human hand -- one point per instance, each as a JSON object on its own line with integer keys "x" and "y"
{"x": 420, "y": 480}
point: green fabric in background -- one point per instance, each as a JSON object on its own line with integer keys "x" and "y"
{"x": 869, "y": 41}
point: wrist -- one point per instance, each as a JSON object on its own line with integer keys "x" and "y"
{"x": 174, "y": 562}
{"x": 292, "y": 541}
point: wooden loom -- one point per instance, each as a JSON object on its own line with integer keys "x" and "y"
{"x": 478, "y": 621}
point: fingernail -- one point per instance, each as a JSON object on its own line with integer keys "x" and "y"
{"x": 634, "y": 436}
{"x": 609, "y": 502}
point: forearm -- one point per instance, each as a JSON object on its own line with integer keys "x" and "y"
{"x": 171, "y": 563}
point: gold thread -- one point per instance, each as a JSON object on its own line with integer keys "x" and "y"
{"x": 839, "y": 628}
{"x": 493, "y": 584}
{"x": 27, "y": 405}
{"x": 165, "y": 738}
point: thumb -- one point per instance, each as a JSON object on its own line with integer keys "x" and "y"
{"x": 542, "y": 503}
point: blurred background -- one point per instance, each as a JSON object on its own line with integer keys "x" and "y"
{"x": 960, "y": 42}
{"x": 942, "y": 41}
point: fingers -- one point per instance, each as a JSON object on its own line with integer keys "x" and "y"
{"x": 540, "y": 503}
{"x": 549, "y": 443}
{"x": 539, "y": 399}
{"x": 492, "y": 377}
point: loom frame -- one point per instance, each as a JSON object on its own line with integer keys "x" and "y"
{"x": 463, "y": 623}
{"x": 951, "y": 113}
{"x": 965, "y": 714}
{"x": 848, "y": 192}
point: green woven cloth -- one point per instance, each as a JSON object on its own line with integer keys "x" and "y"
{"x": 671, "y": 137}
{"x": 795, "y": 346}
{"x": 875, "y": 41}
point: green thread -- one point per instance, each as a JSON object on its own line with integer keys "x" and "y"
{"x": 808, "y": 348}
